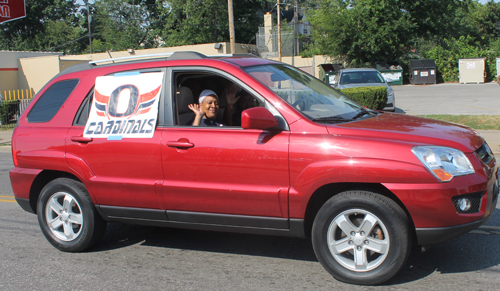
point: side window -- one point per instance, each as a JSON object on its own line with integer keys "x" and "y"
{"x": 189, "y": 86}
{"x": 83, "y": 112}
{"x": 51, "y": 101}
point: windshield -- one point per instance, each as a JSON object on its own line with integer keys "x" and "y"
{"x": 308, "y": 95}
{"x": 361, "y": 77}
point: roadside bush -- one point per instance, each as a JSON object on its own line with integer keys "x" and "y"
{"x": 8, "y": 111}
{"x": 370, "y": 97}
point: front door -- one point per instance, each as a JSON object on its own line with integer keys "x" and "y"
{"x": 226, "y": 170}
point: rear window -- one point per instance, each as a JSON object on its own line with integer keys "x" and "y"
{"x": 51, "y": 101}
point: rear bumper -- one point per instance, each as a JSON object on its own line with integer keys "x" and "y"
{"x": 25, "y": 204}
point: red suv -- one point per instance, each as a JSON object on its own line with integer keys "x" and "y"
{"x": 113, "y": 141}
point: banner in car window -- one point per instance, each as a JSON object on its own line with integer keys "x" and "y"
{"x": 124, "y": 106}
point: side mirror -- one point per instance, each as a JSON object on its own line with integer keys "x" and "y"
{"x": 257, "y": 118}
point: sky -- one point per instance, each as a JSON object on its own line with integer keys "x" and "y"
{"x": 484, "y": 1}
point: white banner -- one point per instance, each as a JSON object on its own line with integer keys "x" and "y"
{"x": 124, "y": 106}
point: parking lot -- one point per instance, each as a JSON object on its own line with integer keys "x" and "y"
{"x": 473, "y": 99}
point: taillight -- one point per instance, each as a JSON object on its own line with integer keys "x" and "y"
{"x": 13, "y": 146}
{"x": 14, "y": 157}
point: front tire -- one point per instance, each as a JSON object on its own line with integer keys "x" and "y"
{"x": 361, "y": 237}
{"x": 67, "y": 216}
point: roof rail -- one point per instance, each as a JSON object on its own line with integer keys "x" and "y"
{"x": 188, "y": 55}
{"x": 233, "y": 55}
{"x": 130, "y": 58}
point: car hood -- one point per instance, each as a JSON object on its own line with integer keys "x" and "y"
{"x": 413, "y": 129}
{"x": 354, "y": 85}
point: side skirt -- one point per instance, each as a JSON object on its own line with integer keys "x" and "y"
{"x": 204, "y": 221}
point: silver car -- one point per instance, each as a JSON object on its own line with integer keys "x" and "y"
{"x": 365, "y": 77}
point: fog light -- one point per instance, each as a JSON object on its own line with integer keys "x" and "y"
{"x": 464, "y": 204}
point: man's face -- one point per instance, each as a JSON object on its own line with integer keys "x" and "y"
{"x": 210, "y": 106}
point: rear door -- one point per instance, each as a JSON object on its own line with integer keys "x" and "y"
{"x": 122, "y": 170}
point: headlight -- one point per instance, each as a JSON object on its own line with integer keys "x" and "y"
{"x": 445, "y": 163}
{"x": 390, "y": 93}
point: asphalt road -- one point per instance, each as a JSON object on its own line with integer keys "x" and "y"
{"x": 474, "y": 99}
{"x": 151, "y": 258}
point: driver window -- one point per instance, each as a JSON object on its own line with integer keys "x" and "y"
{"x": 222, "y": 101}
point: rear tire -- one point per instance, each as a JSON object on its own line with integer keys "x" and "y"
{"x": 68, "y": 217}
{"x": 361, "y": 237}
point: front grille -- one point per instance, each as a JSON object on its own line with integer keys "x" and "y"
{"x": 484, "y": 153}
{"x": 474, "y": 198}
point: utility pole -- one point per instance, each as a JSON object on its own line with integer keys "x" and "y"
{"x": 296, "y": 27}
{"x": 279, "y": 31}
{"x": 89, "y": 20}
{"x": 231, "y": 24}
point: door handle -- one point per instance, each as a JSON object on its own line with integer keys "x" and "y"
{"x": 180, "y": 144}
{"x": 81, "y": 139}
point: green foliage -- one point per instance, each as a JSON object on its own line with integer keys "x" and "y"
{"x": 363, "y": 31}
{"x": 8, "y": 110}
{"x": 370, "y": 97}
{"x": 448, "y": 55}
{"x": 47, "y": 23}
{"x": 438, "y": 19}
{"x": 194, "y": 22}
{"x": 119, "y": 25}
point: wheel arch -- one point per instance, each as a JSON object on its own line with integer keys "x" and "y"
{"x": 42, "y": 179}
{"x": 322, "y": 194}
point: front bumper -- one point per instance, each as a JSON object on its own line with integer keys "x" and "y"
{"x": 432, "y": 236}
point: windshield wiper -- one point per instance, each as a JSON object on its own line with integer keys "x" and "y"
{"x": 331, "y": 119}
{"x": 361, "y": 113}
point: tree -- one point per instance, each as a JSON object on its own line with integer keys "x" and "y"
{"x": 119, "y": 25}
{"x": 53, "y": 19}
{"x": 361, "y": 31}
{"x": 195, "y": 22}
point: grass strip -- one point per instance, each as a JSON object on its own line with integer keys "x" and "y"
{"x": 474, "y": 121}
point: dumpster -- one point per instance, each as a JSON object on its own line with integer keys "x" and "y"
{"x": 471, "y": 70}
{"x": 422, "y": 72}
{"x": 327, "y": 72}
{"x": 498, "y": 67}
{"x": 391, "y": 71}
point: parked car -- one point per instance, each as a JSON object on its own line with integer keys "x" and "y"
{"x": 112, "y": 141}
{"x": 365, "y": 77}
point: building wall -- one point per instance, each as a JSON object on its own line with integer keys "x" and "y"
{"x": 11, "y": 76}
{"x": 309, "y": 65}
{"x": 8, "y": 80}
{"x": 36, "y": 72}
{"x": 206, "y": 49}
